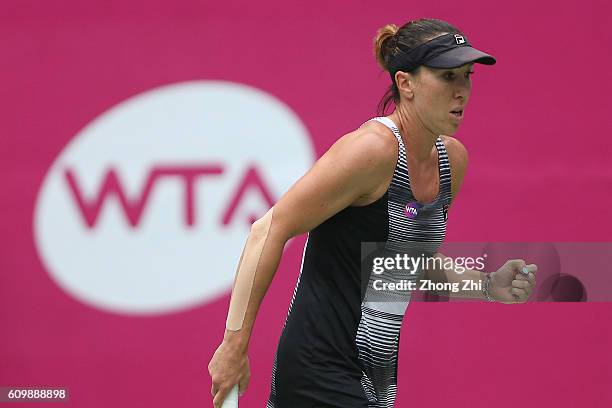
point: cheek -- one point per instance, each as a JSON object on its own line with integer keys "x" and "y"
{"x": 437, "y": 95}
{"x": 434, "y": 104}
{"x": 429, "y": 100}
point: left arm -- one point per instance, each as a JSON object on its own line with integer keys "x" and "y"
{"x": 508, "y": 284}
{"x": 457, "y": 279}
{"x": 458, "y": 160}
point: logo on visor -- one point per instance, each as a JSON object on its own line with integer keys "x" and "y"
{"x": 459, "y": 39}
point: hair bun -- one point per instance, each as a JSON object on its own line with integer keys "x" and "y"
{"x": 382, "y": 46}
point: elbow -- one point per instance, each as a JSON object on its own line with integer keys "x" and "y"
{"x": 264, "y": 228}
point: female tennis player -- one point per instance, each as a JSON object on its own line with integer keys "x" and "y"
{"x": 390, "y": 180}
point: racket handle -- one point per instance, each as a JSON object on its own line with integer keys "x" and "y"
{"x": 231, "y": 399}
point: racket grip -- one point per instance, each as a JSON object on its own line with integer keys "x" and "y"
{"x": 231, "y": 399}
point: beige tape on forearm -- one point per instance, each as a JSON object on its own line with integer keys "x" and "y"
{"x": 245, "y": 276}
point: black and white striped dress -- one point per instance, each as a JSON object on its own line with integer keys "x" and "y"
{"x": 339, "y": 346}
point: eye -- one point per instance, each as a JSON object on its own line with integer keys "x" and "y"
{"x": 450, "y": 76}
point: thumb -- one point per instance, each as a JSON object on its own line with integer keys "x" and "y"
{"x": 516, "y": 264}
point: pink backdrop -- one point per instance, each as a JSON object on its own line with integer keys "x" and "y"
{"x": 538, "y": 132}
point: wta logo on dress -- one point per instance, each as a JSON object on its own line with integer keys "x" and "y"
{"x": 412, "y": 209}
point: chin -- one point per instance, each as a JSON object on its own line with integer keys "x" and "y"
{"x": 451, "y": 130}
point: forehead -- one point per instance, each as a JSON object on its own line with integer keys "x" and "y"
{"x": 461, "y": 68}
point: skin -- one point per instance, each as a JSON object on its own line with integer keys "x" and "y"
{"x": 355, "y": 171}
{"x": 426, "y": 99}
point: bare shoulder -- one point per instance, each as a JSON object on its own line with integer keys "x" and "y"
{"x": 372, "y": 145}
{"x": 458, "y": 158}
{"x": 457, "y": 153}
{"x": 352, "y": 168}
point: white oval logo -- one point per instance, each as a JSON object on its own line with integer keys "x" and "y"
{"x": 147, "y": 209}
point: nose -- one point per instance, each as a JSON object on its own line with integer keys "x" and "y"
{"x": 463, "y": 90}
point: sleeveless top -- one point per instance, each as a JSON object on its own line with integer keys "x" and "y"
{"x": 340, "y": 342}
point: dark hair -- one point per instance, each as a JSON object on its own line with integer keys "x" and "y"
{"x": 410, "y": 35}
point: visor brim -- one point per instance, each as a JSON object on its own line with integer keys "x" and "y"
{"x": 459, "y": 56}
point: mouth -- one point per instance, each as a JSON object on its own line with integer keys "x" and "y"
{"x": 457, "y": 114}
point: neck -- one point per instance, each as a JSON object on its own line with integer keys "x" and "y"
{"x": 419, "y": 140}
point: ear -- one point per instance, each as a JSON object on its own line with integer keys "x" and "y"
{"x": 405, "y": 83}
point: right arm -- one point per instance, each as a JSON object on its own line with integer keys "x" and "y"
{"x": 351, "y": 169}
